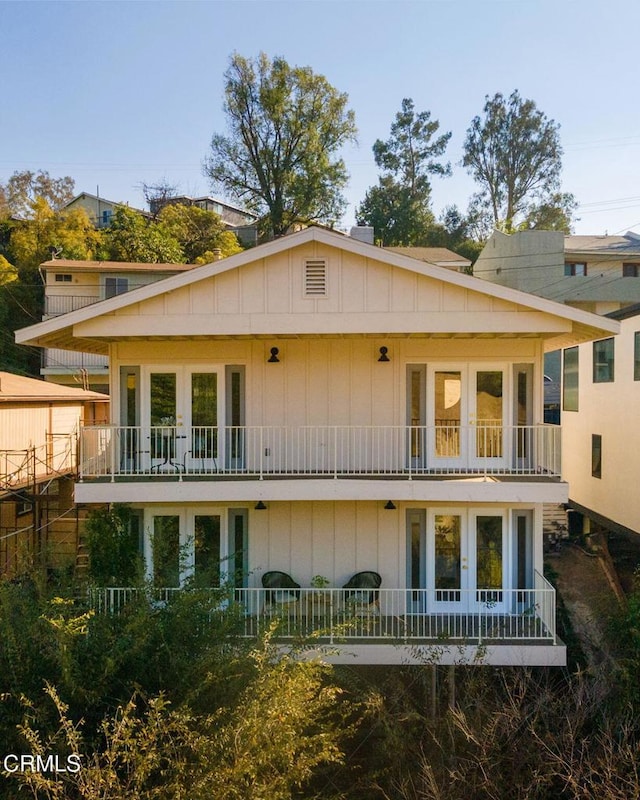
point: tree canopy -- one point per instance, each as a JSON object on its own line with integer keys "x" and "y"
{"x": 199, "y": 232}
{"x": 23, "y": 188}
{"x": 286, "y": 126}
{"x": 130, "y": 237}
{"x": 399, "y": 207}
{"x": 513, "y": 152}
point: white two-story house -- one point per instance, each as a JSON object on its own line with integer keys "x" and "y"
{"x": 319, "y": 406}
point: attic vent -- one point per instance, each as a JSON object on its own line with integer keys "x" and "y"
{"x": 315, "y": 277}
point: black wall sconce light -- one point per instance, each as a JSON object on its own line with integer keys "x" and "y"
{"x": 260, "y": 506}
{"x": 273, "y": 358}
{"x": 390, "y": 505}
{"x": 383, "y": 354}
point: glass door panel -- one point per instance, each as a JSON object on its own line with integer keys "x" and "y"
{"x": 488, "y": 415}
{"x": 162, "y": 419}
{"x": 166, "y": 551}
{"x": 447, "y": 415}
{"x": 203, "y": 404}
{"x": 447, "y": 561}
{"x": 416, "y": 415}
{"x": 489, "y": 559}
{"x": 416, "y": 560}
{"x": 207, "y": 555}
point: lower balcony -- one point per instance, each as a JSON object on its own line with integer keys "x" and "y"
{"x": 386, "y": 626}
{"x": 447, "y": 449}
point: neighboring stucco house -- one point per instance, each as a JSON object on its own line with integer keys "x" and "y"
{"x": 600, "y": 400}
{"x": 321, "y": 406}
{"x": 595, "y": 273}
{"x": 99, "y": 209}
{"x": 600, "y": 433}
{"x": 39, "y": 425}
{"x": 69, "y": 285}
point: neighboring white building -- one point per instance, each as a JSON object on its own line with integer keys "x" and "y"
{"x": 600, "y": 432}
{"x": 600, "y": 399}
{"x": 321, "y": 406}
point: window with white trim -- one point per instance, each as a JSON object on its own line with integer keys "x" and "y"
{"x": 315, "y": 277}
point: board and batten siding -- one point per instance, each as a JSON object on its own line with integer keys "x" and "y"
{"x": 323, "y": 381}
{"x": 274, "y": 286}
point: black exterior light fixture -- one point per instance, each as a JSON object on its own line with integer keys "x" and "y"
{"x": 390, "y": 505}
{"x": 273, "y": 358}
{"x": 260, "y": 506}
{"x": 383, "y": 354}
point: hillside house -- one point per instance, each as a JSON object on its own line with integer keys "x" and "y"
{"x": 319, "y": 406}
{"x": 39, "y": 425}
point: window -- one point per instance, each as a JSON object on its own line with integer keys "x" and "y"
{"x": 575, "y": 268}
{"x": 315, "y": 277}
{"x": 636, "y": 356}
{"x": 570, "y": 379}
{"x": 596, "y": 455}
{"x": 630, "y": 270}
{"x": 603, "y": 361}
{"x": 114, "y": 286}
{"x": 63, "y": 277}
{"x": 106, "y": 217}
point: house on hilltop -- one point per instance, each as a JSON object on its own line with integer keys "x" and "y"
{"x": 318, "y": 406}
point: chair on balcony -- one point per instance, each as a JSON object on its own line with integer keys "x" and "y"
{"x": 283, "y": 595}
{"x": 361, "y": 596}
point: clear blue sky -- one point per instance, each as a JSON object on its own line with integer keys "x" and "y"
{"x": 120, "y": 93}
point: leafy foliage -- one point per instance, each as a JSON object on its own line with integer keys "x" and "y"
{"x": 130, "y": 237}
{"x": 198, "y": 232}
{"x": 398, "y": 208}
{"x": 113, "y": 545}
{"x": 513, "y": 152}
{"x": 286, "y": 126}
{"x": 17, "y": 196}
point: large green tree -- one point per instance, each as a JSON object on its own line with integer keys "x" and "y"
{"x": 513, "y": 152}
{"x": 130, "y": 237}
{"x": 280, "y": 157}
{"x": 199, "y": 232}
{"x": 399, "y": 207}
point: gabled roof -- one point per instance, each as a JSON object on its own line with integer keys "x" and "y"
{"x": 18, "y": 388}
{"x": 59, "y": 331}
{"x": 88, "y": 195}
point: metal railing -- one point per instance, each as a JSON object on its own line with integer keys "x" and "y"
{"x": 57, "y": 304}
{"x": 58, "y": 455}
{"x": 320, "y": 451}
{"x": 476, "y": 615}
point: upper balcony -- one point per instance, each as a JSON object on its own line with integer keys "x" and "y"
{"x": 55, "y": 305}
{"x": 180, "y": 453}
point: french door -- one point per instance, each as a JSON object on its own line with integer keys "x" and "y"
{"x": 194, "y": 417}
{"x": 463, "y": 409}
{"x": 207, "y": 548}
{"x": 457, "y": 560}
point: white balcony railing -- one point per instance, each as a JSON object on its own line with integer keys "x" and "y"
{"x": 320, "y": 451}
{"x": 513, "y": 615}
